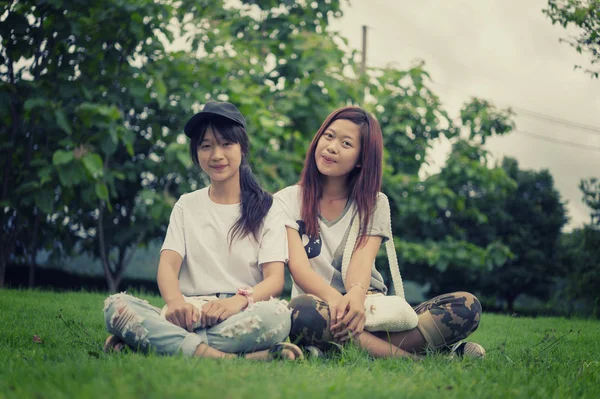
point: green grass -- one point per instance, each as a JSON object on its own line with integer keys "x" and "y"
{"x": 527, "y": 357}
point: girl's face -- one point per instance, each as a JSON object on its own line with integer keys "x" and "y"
{"x": 338, "y": 149}
{"x": 219, "y": 159}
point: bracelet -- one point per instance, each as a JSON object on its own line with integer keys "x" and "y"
{"x": 360, "y": 285}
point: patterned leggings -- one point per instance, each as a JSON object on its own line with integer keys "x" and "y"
{"x": 443, "y": 320}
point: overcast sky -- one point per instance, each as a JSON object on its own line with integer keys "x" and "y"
{"x": 505, "y": 51}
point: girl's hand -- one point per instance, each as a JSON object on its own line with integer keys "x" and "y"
{"x": 182, "y": 314}
{"x": 350, "y": 320}
{"x": 221, "y": 309}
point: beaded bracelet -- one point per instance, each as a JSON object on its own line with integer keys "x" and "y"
{"x": 361, "y": 286}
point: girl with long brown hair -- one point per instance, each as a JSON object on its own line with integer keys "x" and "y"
{"x": 342, "y": 178}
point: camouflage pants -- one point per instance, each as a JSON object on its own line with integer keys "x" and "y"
{"x": 443, "y": 320}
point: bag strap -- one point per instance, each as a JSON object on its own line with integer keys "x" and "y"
{"x": 389, "y": 248}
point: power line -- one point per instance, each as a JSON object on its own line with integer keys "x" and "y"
{"x": 529, "y": 113}
{"x": 560, "y": 121}
{"x": 524, "y": 111}
{"x": 557, "y": 141}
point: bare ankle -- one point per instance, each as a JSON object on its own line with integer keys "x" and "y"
{"x": 204, "y": 350}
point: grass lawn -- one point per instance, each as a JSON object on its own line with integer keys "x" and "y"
{"x": 527, "y": 357}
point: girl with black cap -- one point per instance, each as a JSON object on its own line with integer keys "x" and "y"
{"x": 221, "y": 263}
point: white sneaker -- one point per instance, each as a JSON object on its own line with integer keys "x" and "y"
{"x": 470, "y": 349}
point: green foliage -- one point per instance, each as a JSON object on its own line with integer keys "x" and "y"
{"x": 584, "y": 15}
{"x": 580, "y": 257}
{"x": 442, "y": 221}
{"x": 93, "y": 156}
{"x": 530, "y": 223}
{"x": 411, "y": 117}
{"x": 590, "y": 189}
{"x": 580, "y": 252}
{"x": 96, "y": 113}
{"x": 483, "y": 119}
{"x": 496, "y": 234}
{"x": 86, "y": 111}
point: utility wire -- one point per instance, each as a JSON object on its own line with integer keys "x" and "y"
{"x": 560, "y": 121}
{"x": 529, "y": 113}
{"x": 557, "y": 141}
{"x": 524, "y": 111}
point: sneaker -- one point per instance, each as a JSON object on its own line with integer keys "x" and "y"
{"x": 113, "y": 344}
{"x": 313, "y": 352}
{"x": 470, "y": 349}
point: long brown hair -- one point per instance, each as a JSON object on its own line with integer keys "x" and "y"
{"x": 364, "y": 182}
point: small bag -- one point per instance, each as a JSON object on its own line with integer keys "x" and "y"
{"x": 384, "y": 313}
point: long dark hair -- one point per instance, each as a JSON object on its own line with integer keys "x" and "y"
{"x": 364, "y": 182}
{"x": 255, "y": 201}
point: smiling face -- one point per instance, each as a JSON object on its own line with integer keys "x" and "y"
{"x": 338, "y": 149}
{"x": 219, "y": 158}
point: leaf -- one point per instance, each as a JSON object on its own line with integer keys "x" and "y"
{"x": 34, "y": 103}
{"x": 184, "y": 159}
{"x": 102, "y": 191}
{"x": 147, "y": 195}
{"x": 61, "y": 121}
{"x": 62, "y": 157}
{"x": 86, "y": 93}
{"x": 93, "y": 163}
{"x": 27, "y": 187}
{"x": 44, "y": 174}
{"x": 44, "y": 199}
{"x": 161, "y": 90}
{"x": 109, "y": 143}
{"x": 266, "y": 123}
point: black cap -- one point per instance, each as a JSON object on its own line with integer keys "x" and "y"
{"x": 212, "y": 109}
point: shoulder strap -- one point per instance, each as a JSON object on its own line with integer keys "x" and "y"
{"x": 389, "y": 248}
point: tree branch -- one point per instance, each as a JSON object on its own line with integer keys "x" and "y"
{"x": 102, "y": 244}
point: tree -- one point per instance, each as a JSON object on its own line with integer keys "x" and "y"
{"x": 580, "y": 252}
{"x": 585, "y": 16}
{"x": 95, "y": 115}
{"x": 86, "y": 111}
{"x": 591, "y": 197}
{"x": 431, "y": 215}
{"x": 580, "y": 257}
{"x": 530, "y": 224}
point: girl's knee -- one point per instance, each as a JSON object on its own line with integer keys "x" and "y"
{"x": 121, "y": 318}
{"x": 301, "y": 301}
{"x": 275, "y": 316}
{"x": 466, "y": 309}
{"x": 472, "y": 304}
{"x": 261, "y": 325}
{"x": 112, "y": 303}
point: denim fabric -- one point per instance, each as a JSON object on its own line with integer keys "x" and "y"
{"x": 143, "y": 328}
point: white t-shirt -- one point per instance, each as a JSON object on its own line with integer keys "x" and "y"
{"x": 325, "y": 252}
{"x": 198, "y": 231}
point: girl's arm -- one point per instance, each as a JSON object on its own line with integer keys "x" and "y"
{"x": 351, "y": 310}
{"x": 304, "y": 276}
{"x": 179, "y": 312}
{"x": 273, "y": 281}
{"x": 221, "y": 309}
